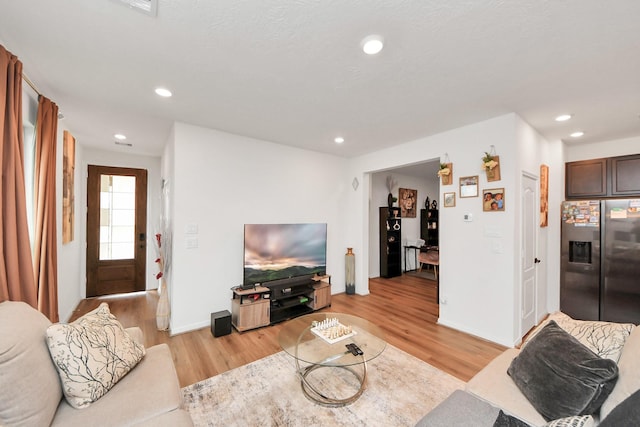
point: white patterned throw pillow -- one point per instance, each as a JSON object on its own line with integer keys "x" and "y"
{"x": 577, "y": 421}
{"x": 606, "y": 339}
{"x": 92, "y": 354}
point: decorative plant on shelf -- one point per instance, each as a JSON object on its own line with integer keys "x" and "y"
{"x": 491, "y": 165}
{"x": 445, "y": 173}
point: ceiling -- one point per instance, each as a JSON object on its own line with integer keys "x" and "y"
{"x": 292, "y": 72}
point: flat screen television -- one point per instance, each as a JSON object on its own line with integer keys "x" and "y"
{"x": 283, "y": 251}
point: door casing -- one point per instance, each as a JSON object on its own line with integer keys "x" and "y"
{"x": 529, "y": 279}
{"x": 115, "y": 276}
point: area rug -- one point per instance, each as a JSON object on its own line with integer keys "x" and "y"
{"x": 401, "y": 389}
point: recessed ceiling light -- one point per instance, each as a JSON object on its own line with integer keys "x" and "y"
{"x": 339, "y": 140}
{"x": 165, "y": 93}
{"x": 577, "y": 134}
{"x": 120, "y": 136}
{"x": 372, "y": 45}
{"x": 563, "y": 117}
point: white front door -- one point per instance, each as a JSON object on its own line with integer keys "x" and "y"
{"x": 529, "y": 252}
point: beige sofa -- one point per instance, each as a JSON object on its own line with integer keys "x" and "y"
{"x": 493, "y": 390}
{"x": 31, "y": 393}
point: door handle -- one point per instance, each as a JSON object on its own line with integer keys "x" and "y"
{"x": 536, "y": 261}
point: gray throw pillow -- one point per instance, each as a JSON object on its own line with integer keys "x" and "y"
{"x": 504, "y": 420}
{"x": 560, "y": 376}
{"x": 625, "y": 414}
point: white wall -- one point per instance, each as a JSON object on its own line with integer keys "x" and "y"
{"x": 222, "y": 181}
{"x": 410, "y": 226}
{"x": 479, "y": 260}
{"x": 69, "y": 267}
{"x": 168, "y": 208}
{"x": 552, "y": 154}
{"x": 534, "y": 150}
{"x": 618, "y": 147}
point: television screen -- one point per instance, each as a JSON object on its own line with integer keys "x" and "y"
{"x": 281, "y": 251}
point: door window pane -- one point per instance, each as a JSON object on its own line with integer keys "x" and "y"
{"x": 117, "y": 217}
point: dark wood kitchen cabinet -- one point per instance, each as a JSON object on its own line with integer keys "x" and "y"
{"x": 586, "y": 179}
{"x": 625, "y": 176}
{"x": 613, "y": 177}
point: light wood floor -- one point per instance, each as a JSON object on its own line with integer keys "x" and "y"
{"x": 404, "y": 307}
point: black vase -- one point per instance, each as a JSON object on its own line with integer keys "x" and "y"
{"x": 390, "y": 200}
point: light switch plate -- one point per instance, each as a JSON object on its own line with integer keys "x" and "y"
{"x": 468, "y": 217}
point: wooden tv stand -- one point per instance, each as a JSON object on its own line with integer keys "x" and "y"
{"x": 278, "y": 301}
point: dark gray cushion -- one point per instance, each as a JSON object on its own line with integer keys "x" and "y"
{"x": 626, "y": 413}
{"x": 505, "y": 420}
{"x": 560, "y": 376}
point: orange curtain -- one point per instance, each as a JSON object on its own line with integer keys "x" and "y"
{"x": 45, "y": 255}
{"x": 16, "y": 269}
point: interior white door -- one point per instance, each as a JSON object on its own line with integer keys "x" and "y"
{"x": 528, "y": 252}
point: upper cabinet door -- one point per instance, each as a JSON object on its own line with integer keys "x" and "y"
{"x": 586, "y": 179}
{"x": 625, "y": 175}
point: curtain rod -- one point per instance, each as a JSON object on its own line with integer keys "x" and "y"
{"x": 30, "y": 83}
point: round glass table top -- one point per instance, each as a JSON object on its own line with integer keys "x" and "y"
{"x": 331, "y": 339}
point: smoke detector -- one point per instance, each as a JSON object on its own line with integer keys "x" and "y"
{"x": 149, "y": 7}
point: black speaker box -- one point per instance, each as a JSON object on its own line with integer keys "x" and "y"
{"x": 220, "y": 323}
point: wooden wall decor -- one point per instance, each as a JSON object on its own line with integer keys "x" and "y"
{"x": 493, "y": 174}
{"x": 446, "y": 173}
{"x": 544, "y": 195}
{"x": 491, "y": 164}
{"x": 68, "y": 173}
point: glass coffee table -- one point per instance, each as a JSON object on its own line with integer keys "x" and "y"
{"x": 342, "y": 345}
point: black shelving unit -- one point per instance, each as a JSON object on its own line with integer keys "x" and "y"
{"x": 390, "y": 242}
{"x": 429, "y": 226}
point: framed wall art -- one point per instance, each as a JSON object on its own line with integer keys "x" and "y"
{"x": 449, "y": 200}
{"x": 407, "y": 201}
{"x": 493, "y": 200}
{"x": 469, "y": 186}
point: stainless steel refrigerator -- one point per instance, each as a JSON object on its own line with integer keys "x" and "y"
{"x": 600, "y": 260}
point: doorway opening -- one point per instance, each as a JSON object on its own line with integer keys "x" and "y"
{"x": 421, "y": 177}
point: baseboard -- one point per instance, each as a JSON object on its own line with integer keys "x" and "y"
{"x": 189, "y": 328}
{"x": 475, "y": 333}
